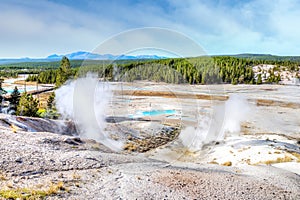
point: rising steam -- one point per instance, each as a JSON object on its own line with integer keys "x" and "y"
{"x": 226, "y": 119}
{"x": 237, "y": 110}
{"x": 85, "y": 101}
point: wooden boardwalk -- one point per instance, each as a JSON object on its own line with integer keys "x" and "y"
{"x": 33, "y": 92}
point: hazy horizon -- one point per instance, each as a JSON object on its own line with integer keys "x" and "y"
{"x": 64, "y": 54}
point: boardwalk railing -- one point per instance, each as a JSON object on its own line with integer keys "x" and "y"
{"x": 33, "y": 92}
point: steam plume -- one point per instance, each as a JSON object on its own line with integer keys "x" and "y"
{"x": 225, "y": 119}
{"x": 85, "y": 101}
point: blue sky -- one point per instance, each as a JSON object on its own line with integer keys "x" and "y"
{"x": 31, "y": 28}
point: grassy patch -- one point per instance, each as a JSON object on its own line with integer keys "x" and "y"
{"x": 286, "y": 158}
{"x": 213, "y": 162}
{"x": 29, "y": 193}
{"x": 96, "y": 147}
{"x": 228, "y": 163}
{"x": 76, "y": 176}
{"x": 297, "y": 155}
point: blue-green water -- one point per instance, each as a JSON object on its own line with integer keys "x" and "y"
{"x": 9, "y": 90}
{"x": 153, "y": 113}
{"x": 158, "y": 112}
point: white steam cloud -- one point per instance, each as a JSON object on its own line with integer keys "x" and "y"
{"x": 226, "y": 119}
{"x": 85, "y": 101}
{"x": 237, "y": 110}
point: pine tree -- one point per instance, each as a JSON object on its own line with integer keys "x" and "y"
{"x": 65, "y": 65}
{"x": 15, "y": 98}
{"x": 64, "y": 71}
{"x": 51, "y": 112}
{"x": 28, "y": 106}
{"x": 259, "y": 79}
{"x": 50, "y": 101}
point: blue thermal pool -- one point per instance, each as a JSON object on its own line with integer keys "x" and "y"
{"x": 9, "y": 90}
{"x": 153, "y": 113}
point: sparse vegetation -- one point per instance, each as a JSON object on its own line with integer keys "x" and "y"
{"x": 286, "y": 158}
{"x": 29, "y": 193}
{"x": 297, "y": 155}
{"x": 228, "y": 163}
{"x": 213, "y": 162}
{"x": 76, "y": 176}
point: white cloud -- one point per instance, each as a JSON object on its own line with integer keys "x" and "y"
{"x": 259, "y": 26}
{"x": 35, "y": 29}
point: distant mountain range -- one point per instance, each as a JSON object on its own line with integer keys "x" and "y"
{"x": 81, "y": 55}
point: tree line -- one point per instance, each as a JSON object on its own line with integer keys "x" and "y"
{"x": 198, "y": 70}
{"x": 55, "y": 76}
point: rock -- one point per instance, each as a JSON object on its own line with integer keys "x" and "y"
{"x": 73, "y": 141}
{"x": 19, "y": 160}
{"x": 166, "y": 135}
{"x": 89, "y": 170}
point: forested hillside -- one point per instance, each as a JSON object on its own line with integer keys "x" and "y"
{"x": 198, "y": 70}
{"x": 267, "y": 57}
